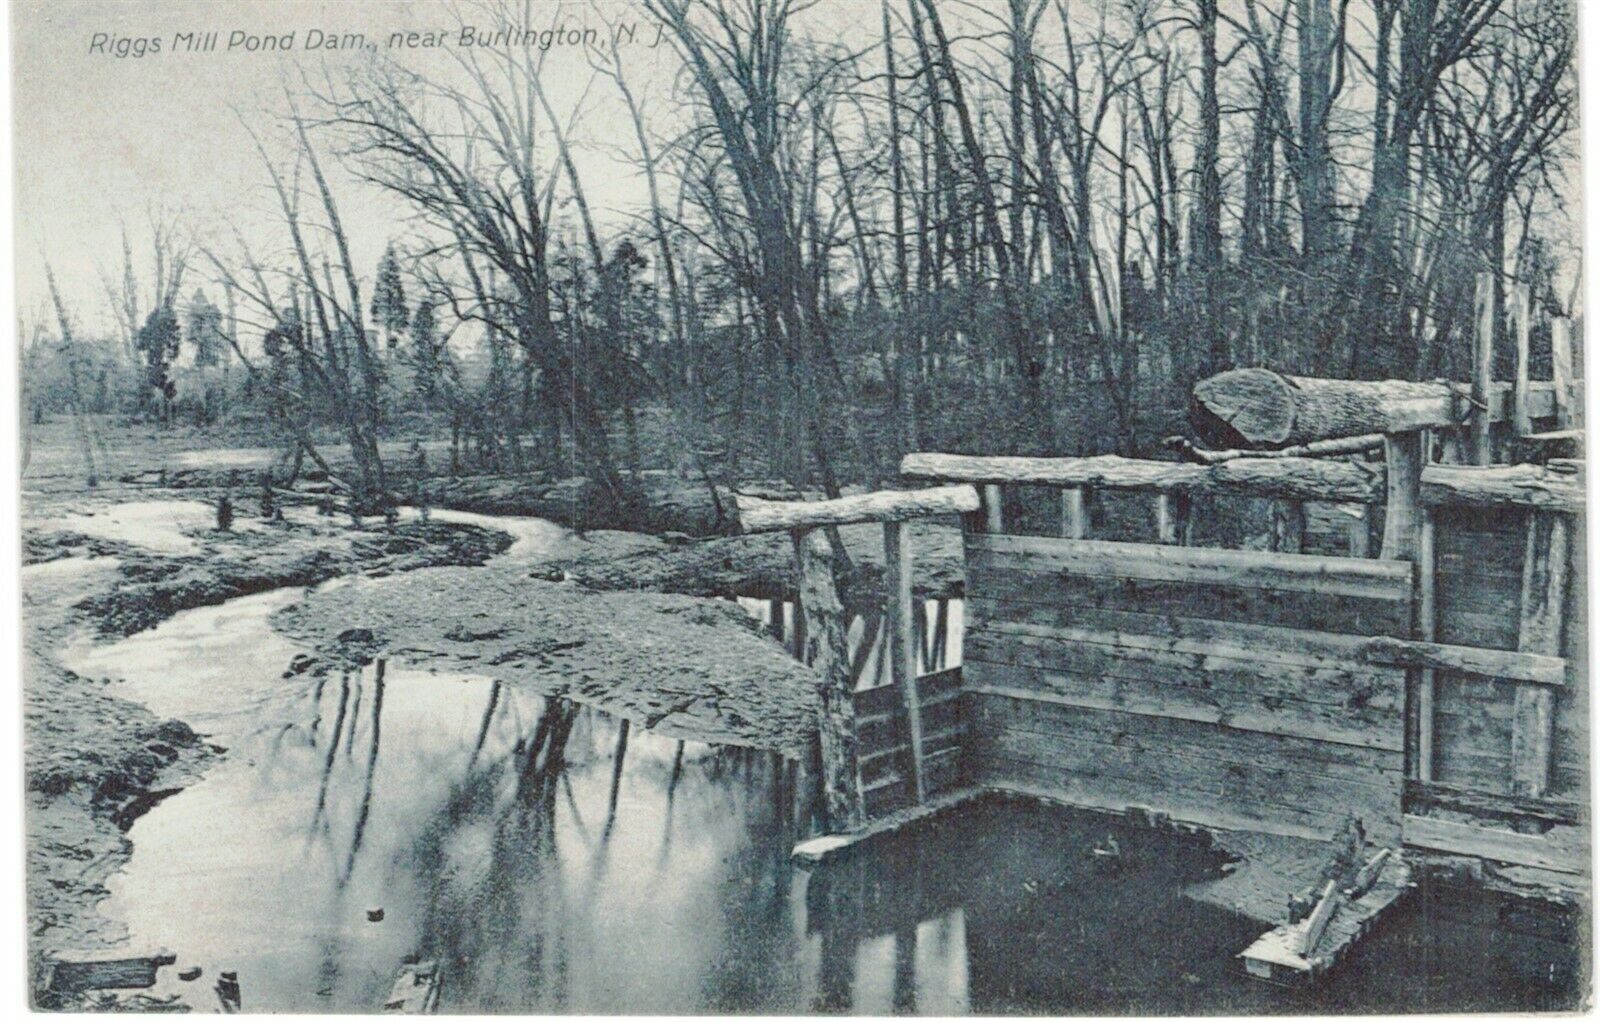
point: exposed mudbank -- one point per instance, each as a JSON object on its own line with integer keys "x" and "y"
{"x": 687, "y": 667}
{"x": 759, "y": 566}
{"x": 153, "y": 587}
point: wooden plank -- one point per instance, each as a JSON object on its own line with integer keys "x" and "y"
{"x": 1279, "y": 788}
{"x": 757, "y": 515}
{"x": 827, "y": 651}
{"x": 932, "y": 688}
{"x": 1320, "y": 917}
{"x": 879, "y": 732}
{"x": 415, "y": 990}
{"x": 1544, "y": 594}
{"x": 1074, "y": 513}
{"x": 1286, "y": 955}
{"x": 1286, "y": 478}
{"x": 1561, "y": 849}
{"x": 1253, "y": 569}
{"x": 1223, "y": 648}
{"x": 1521, "y": 325}
{"x": 1232, "y": 638}
{"x": 1109, "y": 789}
{"x": 901, "y": 612}
{"x": 1481, "y": 449}
{"x": 1403, "y": 455}
{"x": 1502, "y": 486}
{"x": 1330, "y": 612}
{"x": 1156, "y": 734}
{"x": 1561, "y": 373}
{"x": 1173, "y": 519}
{"x": 1356, "y": 726}
{"x": 1427, "y": 616}
{"x": 1530, "y": 667}
{"x": 993, "y": 508}
{"x": 1288, "y": 526}
{"x": 1487, "y": 805}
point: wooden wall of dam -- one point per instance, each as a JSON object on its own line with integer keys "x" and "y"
{"x": 1224, "y": 687}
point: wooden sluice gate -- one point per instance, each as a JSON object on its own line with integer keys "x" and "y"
{"x": 1421, "y": 668}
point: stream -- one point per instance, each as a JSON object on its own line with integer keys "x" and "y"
{"x": 550, "y": 857}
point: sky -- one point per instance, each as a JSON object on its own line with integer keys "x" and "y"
{"x": 102, "y": 139}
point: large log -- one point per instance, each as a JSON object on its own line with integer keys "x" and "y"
{"x": 1284, "y": 478}
{"x": 757, "y": 515}
{"x": 1500, "y": 486}
{"x": 1262, "y": 408}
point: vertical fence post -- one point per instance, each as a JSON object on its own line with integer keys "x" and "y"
{"x": 993, "y": 519}
{"x": 1521, "y": 411}
{"x": 1425, "y": 630}
{"x": 1288, "y": 526}
{"x": 902, "y": 637}
{"x": 1482, "y": 449}
{"x": 1544, "y": 587}
{"x": 1074, "y": 513}
{"x": 1403, "y": 456}
{"x": 1561, "y": 371}
{"x": 1172, "y": 518}
{"x": 827, "y": 651}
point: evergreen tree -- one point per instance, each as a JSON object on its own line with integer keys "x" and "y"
{"x": 424, "y": 352}
{"x": 389, "y": 299}
{"x": 204, "y": 330}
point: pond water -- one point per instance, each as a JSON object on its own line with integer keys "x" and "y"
{"x": 552, "y": 858}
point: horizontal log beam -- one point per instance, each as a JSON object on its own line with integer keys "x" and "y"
{"x": 1254, "y": 408}
{"x": 1492, "y": 663}
{"x": 1530, "y": 486}
{"x": 757, "y": 515}
{"x": 1282, "y": 478}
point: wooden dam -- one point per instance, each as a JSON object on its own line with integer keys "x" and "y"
{"x": 1404, "y": 644}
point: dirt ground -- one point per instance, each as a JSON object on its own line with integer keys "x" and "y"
{"x": 685, "y": 666}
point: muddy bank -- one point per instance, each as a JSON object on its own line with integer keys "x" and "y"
{"x": 93, "y": 763}
{"x": 153, "y": 587}
{"x": 686, "y": 667}
{"x": 759, "y": 566}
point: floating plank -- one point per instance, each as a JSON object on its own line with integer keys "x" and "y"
{"x": 1494, "y": 663}
{"x": 106, "y": 971}
{"x": 1280, "y": 956}
{"x": 1500, "y": 486}
{"x": 1561, "y": 849}
{"x": 757, "y": 515}
{"x": 1286, "y": 478}
{"x": 827, "y": 847}
{"x": 415, "y": 990}
{"x": 1234, "y": 568}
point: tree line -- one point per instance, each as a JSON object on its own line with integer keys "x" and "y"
{"x": 1012, "y": 226}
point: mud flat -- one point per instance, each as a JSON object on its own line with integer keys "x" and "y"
{"x": 759, "y": 566}
{"x": 687, "y": 667}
